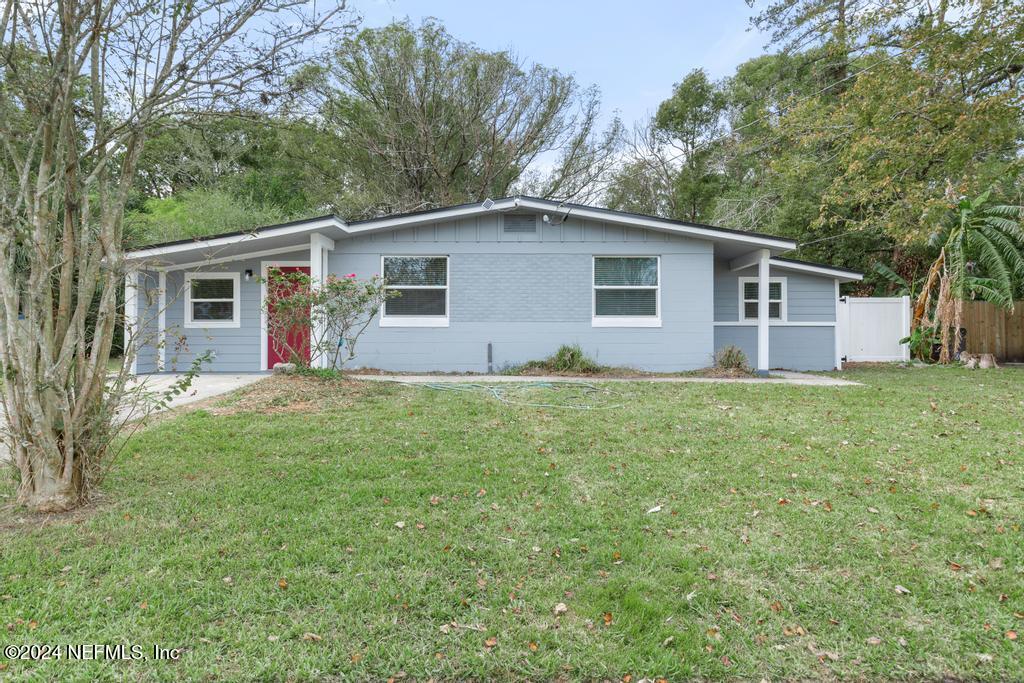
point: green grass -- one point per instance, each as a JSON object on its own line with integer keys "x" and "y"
{"x": 788, "y": 517}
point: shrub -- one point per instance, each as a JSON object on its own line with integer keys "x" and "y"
{"x": 732, "y": 358}
{"x": 569, "y": 358}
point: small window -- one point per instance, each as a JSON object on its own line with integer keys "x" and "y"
{"x": 776, "y": 298}
{"x": 422, "y": 286}
{"x": 519, "y": 223}
{"x": 627, "y": 291}
{"x": 211, "y": 300}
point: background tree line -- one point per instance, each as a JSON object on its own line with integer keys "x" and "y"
{"x": 854, "y": 136}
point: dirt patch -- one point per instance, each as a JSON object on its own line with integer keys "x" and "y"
{"x": 284, "y": 394}
{"x": 15, "y": 518}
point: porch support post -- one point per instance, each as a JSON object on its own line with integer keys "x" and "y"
{"x": 131, "y": 319}
{"x": 762, "y": 313}
{"x": 161, "y": 331}
{"x": 319, "y": 246}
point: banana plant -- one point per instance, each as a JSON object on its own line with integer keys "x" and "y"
{"x": 981, "y": 256}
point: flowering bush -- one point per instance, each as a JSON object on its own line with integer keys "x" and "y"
{"x": 308, "y": 321}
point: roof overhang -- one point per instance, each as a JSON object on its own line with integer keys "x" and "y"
{"x": 841, "y": 274}
{"x": 736, "y": 237}
{"x": 295, "y": 235}
{"x": 269, "y": 240}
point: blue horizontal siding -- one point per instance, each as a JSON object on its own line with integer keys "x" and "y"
{"x": 789, "y": 347}
{"x": 809, "y": 298}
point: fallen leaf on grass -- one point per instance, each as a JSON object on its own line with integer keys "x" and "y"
{"x": 399, "y": 525}
{"x": 282, "y": 583}
{"x": 874, "y": 640}
{"x": 793, "y": 630}
{"x": 312, "y": 637}
{"x": 1011, "y": 635}
{"x": 560, "y": 609}
{"x": 491, "y": 642}
{"x": 776, "y": 606}
{"x": 955, "y": 567}
{"x": 902, "y": 590}
{"x": 608, "y": 619}
{"x": 726, "y": 661}
{"x": 533, "y": 646}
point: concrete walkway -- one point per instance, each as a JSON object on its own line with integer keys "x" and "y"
{"x": 776, "y": 377}
{"x": 204, "y": 386}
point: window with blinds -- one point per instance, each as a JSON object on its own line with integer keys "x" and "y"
{"x": 626, "y": 288}
{"x": 420, "y": 284}
{"x": 211, "y": 299}
{"x": 749, "y": 298}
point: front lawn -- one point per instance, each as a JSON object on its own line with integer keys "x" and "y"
{"x": 328, "y": 529}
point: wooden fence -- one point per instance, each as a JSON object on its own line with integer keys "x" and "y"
{"x": 991, "y": 329}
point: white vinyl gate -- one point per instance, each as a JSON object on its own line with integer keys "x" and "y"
{"x": 870, "y": 328}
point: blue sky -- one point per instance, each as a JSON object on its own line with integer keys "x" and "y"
{"x": 634, "y": 51}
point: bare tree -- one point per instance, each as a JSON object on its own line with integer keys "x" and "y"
{"x": 82, "y": 84}
{"x": 428, "y": 120}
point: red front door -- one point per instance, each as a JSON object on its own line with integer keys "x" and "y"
{"x": 298, "y": 336}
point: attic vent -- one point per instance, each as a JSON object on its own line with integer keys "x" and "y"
{"x": 520, "y": 223}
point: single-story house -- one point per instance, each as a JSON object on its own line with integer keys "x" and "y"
{"x": 491, "y": 284}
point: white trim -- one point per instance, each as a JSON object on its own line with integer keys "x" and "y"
{"x": 414, "y": 321}
{"x": 817, "y": 270}
{"x": 386, "y": 223}
{"x": 783, "y": 303}
{"x": 624, "y": 320}
{"x": 775, "y": 323}
{"x": 236, "y": 306}
{"x": 264, "y": 266}
{"x": 298, "y": 228}
{"x": 650, "y": 222}
{"x": 131, "y": 319}
{"x": 835, "y": 335}
{"x": 237, "y": 257}
{"x": 418, "y": 320}
{"x": 161, "y": 325}
{"x": 747, "y": 260}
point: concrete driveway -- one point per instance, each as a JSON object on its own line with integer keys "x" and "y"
{"x": 203, "y": 386}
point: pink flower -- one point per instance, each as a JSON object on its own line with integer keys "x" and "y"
{"x": 351, "y": 275}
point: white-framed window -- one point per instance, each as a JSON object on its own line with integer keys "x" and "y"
{"x": 776, "y": 298}
{"x": 627, "y": 291}
{"x": 422, "y": 286}
{"x": 212, "y": 300}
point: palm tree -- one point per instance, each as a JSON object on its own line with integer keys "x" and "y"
{"x": 981, "y": 257}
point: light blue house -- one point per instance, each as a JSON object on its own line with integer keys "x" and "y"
{"x": 492, "y": 284}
